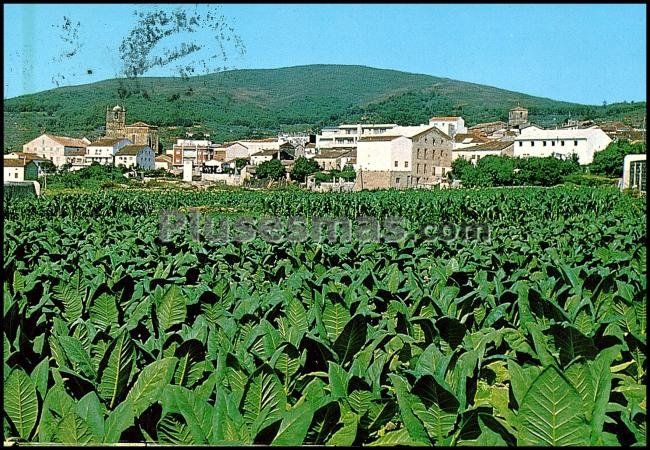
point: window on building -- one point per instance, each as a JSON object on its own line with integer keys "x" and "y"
{"x": 521, "y": 144}
{"x": 406, "y": 164}
{"x": 16, "y": 175}
{"x": 552, "y": 143}
{"x": 443, "y": 170}
{"x": 396, "y": 164}
{"x": 544, "y": 143}
{"x": 396, "y": 180}
{"x": 417, "y": 168}
{"x": 562, "y": 143}
{"x": 419, "y": 156}
{"x": 425, "y": 169}
{"x": 575, "y": 143}
{"x": 532, "y": 143}
{"x": 434, "y": 170}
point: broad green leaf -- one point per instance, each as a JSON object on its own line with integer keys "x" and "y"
{"x": 76, "y": 353}
{"x": 72, "y": 293}
{"x": 90, "y": 408}
{"x": 118, "y": 420}
{"x": 348, "y": 433}
{"x": 351, "y": 339}
{"x": 294, "y": 426}
{"x": 173, "y": 431}
{"x": 335, "y": 316}
{"x": 103, "y": 312}
{"x": 40, "y": 376}
{"x": 601, "y": 377}
{"x": 74, "y": 430}
{"x": 264, "y": 401}
{"x": 150, "y": 383}
{"x": 21, "y": 402}
{"x": 551, "y": 413}
{"x": 396, "y": 438}
{"x": 405, "y": 400}
{"x": 196, "y": 412}
{"x": 117, "y": 364}
{"x": 57, "y": 404}
{"x": 172, "y": 309}
{"x": 338, "y": 381}
{"x": 437, "y": 408}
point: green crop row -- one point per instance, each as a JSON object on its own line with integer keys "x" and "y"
{"x": 536, "y": 336}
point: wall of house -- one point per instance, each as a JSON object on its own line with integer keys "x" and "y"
{"x": 382, "y": 179}
{"x": 145, "y": 159}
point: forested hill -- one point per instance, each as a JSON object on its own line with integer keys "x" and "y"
{"x": 255, "y": 103}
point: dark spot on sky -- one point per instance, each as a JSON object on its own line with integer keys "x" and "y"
{"x": 89, "y": 71}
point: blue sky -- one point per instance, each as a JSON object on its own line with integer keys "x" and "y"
{"x": 580, "y": 53}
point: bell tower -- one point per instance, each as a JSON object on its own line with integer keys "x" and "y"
{"x": 115, "y": 122}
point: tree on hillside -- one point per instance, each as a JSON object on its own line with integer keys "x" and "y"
{"x": 272, "y": 169}
{"x": 610, "y": 161}
{"x": 304, "y": 167}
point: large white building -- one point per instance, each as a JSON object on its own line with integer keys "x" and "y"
{"x": 103, "y": 150}
{"x": 404, "y": 157}
{"x": 136, "y": 156}
{"x": 60, "y": 150}
{"x": 535, "y": 142}
{"x": 348, "y": 135}
{"x": 450, "y": 125}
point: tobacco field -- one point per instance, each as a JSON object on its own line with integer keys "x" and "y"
{"x": 535, "y": 336}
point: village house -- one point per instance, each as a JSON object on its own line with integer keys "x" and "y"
{"x": 139, "y": 133}
{"x": 256, "y": 145}
{"x": 535, "y": 142}
{"x": 348, "y": 135}
{"x": 465, "y": 140}
{"x": 75, "y": 159}
{"x": 164, "y": 162}
{"x": 267, "y": 155}
{"x": 450, "y": 125}
{"x": 19, "y": 169}
{"x": 310, "y": 150}
{"x": 334, "y": 158}
{"x": 417, "y": 156}
{"x": 487, "y": 128}
{"x": 473, "y": 154}
{"x": 38, "y": 160}
{"x": 136, "y": 156}
{"x": 103, "y": 151}
{"x": 60, "y": 150}
{"x": 196, "y": 150}
{"x": 231, "y": 150}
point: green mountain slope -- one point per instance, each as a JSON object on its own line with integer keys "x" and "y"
{"x": 242, "y": 103}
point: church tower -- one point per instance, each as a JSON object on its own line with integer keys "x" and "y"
{"x": 115, "y": 122}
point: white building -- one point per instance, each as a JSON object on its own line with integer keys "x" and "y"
{"x": 257, "y": 145}
{"x": 535, "y": 142}
{"x": 136, "y": 156}
{"x": 60, "y": 150}
{"x": 230, "y": 151}
{"x": 404, "y": 157}
{"x": 19, "y": 169}
{"x": 474, "y": 153}
{"x": 450, "y": 125}
{"x": 348, "y": 135}
{"x": 103, "y": 150}
{"x": 635, "y": 172}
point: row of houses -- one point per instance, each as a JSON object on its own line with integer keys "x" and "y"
{"x": 383, "y": 155}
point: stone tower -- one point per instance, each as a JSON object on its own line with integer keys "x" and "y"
{"x": 518, "y": 116}
{"x": 115, "y": 122}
